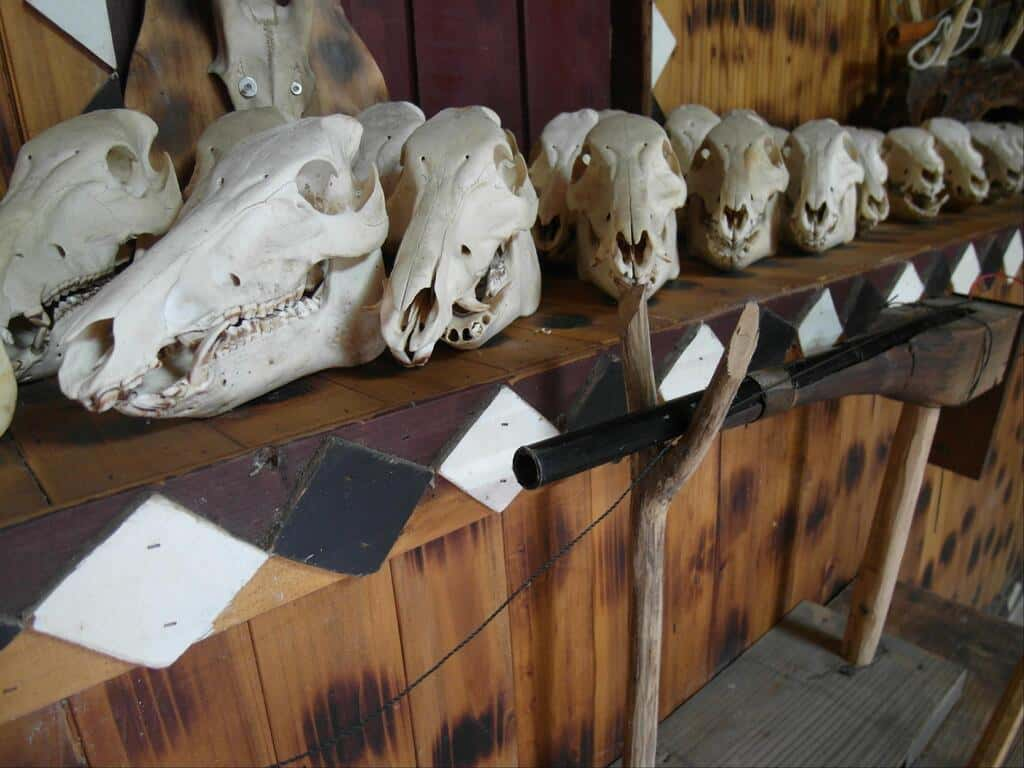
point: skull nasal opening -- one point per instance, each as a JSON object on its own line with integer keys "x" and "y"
{"x": 632, "y": 253}
{"x": 735, "y": 218}
{"x": 416, "y": 314}
{"x": 816, "y": 215}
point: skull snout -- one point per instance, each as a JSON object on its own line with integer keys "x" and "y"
{"x": 84, "y": 357}
{"x": 816, "y": 217}
{"x": 634, "y": 258}
{"x": 416, "y": 320}
{"x": 735, "y": 222}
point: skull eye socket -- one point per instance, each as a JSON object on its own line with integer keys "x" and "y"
{"x": 772, "y": 152}
{"x": 317, "y": 183}
{"x": 701, "y": 158}
{"x": 582, "y": 162}
{"x": 121, "y": 163}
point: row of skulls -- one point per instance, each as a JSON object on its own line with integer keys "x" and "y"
{"x": 273, "y": 267}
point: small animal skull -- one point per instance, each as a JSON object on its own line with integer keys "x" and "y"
{"x": 272, "y": 273}
{"x": 386, "y": 128}
{"x": 550, "y": 172}
{"x": 79, "y": 191}
{"x": 916, "y": 188}
{"x": 263, "y": 53}
{"x": 824, "y": 173}
{"x": 466, "y": 265}
{"x": 626, "y": 187}
{"x": 1002, "y": 147}
{"x": 686, "y": 127}
{"x": 965, "y": 167}
{"x": 737, "y": 182}
{"x": 872, "y": 199}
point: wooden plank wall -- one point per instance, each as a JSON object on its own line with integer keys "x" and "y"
{"x": 771, "y": 519}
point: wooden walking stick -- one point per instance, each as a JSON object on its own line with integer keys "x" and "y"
{"x": 651, "y": 498}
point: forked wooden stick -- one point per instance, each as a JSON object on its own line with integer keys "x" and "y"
{"x": 650, "y": 501}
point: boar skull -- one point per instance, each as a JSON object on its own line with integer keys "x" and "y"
{"x": 466, "y": 265}
{"x": 686, "y": 127}
{"x": 262, "y": 54}
{"x": 386, "y": 128}
{"x": 625, "y": 189}
{"x": 872, "y": 199}
{"x": 736, "y": 182}
{"x": 79, "y": 191}
{"x": 1002, "y": 147}
{"x": 550, "y": 172}
{"x": 823, "y": 176}
{"x": 965, "y": 167}
{"x": 916, "y": 188}
{"x": 269, "y": 275}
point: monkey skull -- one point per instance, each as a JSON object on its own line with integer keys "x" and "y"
{"x": 625, "y": 189}
{"x": 1002, "y": 147}
{"x": 737, "y": 182}
{"x": 79, "y": 191}
{"x": 550, "y": 172}
{"x": 466, "y": 265}
{"x": 272, "y": 273}
{"x": 824, "y": 173}
{"x": 965, "y": 167}
{"x": 872, "y": 198}
{"x": 916, "y": 188}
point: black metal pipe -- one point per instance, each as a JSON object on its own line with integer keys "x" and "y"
{"x": 582, "y": 449}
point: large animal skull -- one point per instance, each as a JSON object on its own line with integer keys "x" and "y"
{"x": 824, "y": 171}
{"x": 550, "y": 172}
{"x": 626, "y": 187}
{"x": 916, "y": 188}
{"x": 1002, "y": 147}
{"x": 872, "y": 199}
{"x": 8, "y": 385}
{"x": 736, "y": 183}
{"x": 463, "y": 208}
{"x": 272, "y": 273}
{"x": 687, "y": 126}
{"x": 386, "y": 128}
{"x": 262, "y": 54}
{"x": 79, "y": 191}
{"x": 965, "y": 167}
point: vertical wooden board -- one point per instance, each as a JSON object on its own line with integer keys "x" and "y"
{"x": 329, "y": 660}
{"x": 386, "y": 28}
{"x": 552, "y": 624}
{"x": 443, "y": 590}
{"x": 561, "y": 77}
{"x": 611, "y": 608}
{"x": 52, "y": 76}
{"x": 206, "y": 709}
{"x": 916, "y": 568}
{"x": 467, "y": 53}
{"x": 12, "y": 136}
{"x": 41, "y": 739}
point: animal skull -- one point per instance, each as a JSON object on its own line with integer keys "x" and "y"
{"x": 872, "y": 199}
{"x": 386, "y": 128}
{"x": 625, "y": 189}
{"x": 8, "y": 384}
{"x": 916, "y": 188}
{"x": 824, "y": 172}
{"x": 686, "y": 127}
{"x": 1002, "y": 147}
{"x": 550, "y": 172}
{"x": 736, "y": 182}
{"x": 262, "y": 53}
{"x": 965, "y": 167}
{"x": 271, "y": 274}
{"x": 79, "y": 191}
{"x": 467, "y": 265}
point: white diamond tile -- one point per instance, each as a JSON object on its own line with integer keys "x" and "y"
{"x": 820, "y": 328}
{"x": 693, "y": 370}
{"x": 1013, "y": 256}
{"x": 967, "y": 270}
{"x": 481, "y": 462}
{"x": 86, "y": 21}
{"x": 152, "y": 588}
{"x": 663, "y": 42}
{"x": 907, "y": 289}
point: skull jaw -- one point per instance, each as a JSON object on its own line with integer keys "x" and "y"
{"x": 910, "y": 204}
{"x": 841, "y": 229}
{"x": 594, "y": 265}
{"x": 872, "y": 208}
{"x": 711, "y": 246}
{"x": 343, "y": 332}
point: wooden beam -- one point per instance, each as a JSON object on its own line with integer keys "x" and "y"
{"x": 887, "y": 541}
{"x": 1004, "y": 724}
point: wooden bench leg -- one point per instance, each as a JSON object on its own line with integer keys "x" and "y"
{"x": 876, "y": 578}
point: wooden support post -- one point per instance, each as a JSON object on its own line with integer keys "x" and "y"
{"x": 650, "y": 501}
{"x": 1003, "y": 726}
{"x": 876, "y": 579}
